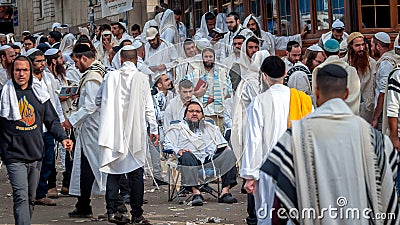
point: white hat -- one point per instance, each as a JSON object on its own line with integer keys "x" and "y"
{"x": 127, "y": 48}
{"x": 19, "y": 44}
{"x": 51, "y": 51}
{"x": 123, "y": 24}
{"x": 315, "y": 48}
{"x": 137, "y": 44}
{"x": 338, "y": 24}
{"x": 55, "y": 25}
{"x": 4, "y": 47}
{"x": 203, "y": 43}
{"x": 30, "y": 51}
{"x": 151, "y": 33}
{"x": 382, "y": 36}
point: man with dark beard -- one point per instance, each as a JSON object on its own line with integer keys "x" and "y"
{"x": 269, "y": 41}
{"x": 200, "y": 145}
{"x": 212, "y": 86}
{"x": 358, "y": 57}
{"x": 235, "y": 28}
{"x": 48, "y": 172}
{"x": 387, "y": 60}
{"x": 300, "y": 75}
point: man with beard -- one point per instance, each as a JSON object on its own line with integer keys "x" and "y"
{"x": 48, "y": 172}
{"x": 300, "y": 75}
{"x": 332, "y": 52}
{"x": 177, "y": 106}
{"x": 269, "y": 41}
{"x": 293, "y": 54}
{"x": 336, "y": 33}
{"x": 268, "y": 117}
{"x": 188, "y": 64}
{"x": 103, "y": 50}
{"x": 119, "y": 31}
{"x": 213, "y": 86}
{"x": 54, "y": 39}
{"x": 208, "y": 22}
{"x": 199, "y": 145}
{"x": 235, "y": 28}
{"x": 358, "y": 57}
{"x": 7, "y": 56}
{"x": 234, "y": 57}
{"x": 85, "y": 121}
{"x": 160, "y": 55}
{"x": 387, "y": 60}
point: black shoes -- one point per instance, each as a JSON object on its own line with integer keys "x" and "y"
{"x": 118, "y": 218}
{"x": 159, "y": 182}
{"x": 80, "y": 214}
{"x": 197, "y": 200}
{"x": 227, "y": 198}
{"x": 140, "y": 220}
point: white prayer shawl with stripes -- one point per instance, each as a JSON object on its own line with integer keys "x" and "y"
{"x": 333, "y": 158}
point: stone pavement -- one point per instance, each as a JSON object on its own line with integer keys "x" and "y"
{"x": 158, "y": 210}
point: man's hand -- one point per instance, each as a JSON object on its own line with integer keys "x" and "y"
{"x": 395, "y": 142}
{"x": 66, "y": 124}
{"x": 249, "y": 186}
{"x": 216, "y": 39}
{"x": 374, "y": 123}
{"x": 155, "y": 138}
{"x": 67, "y": 144}
{"x": 304, "y": 31}
{"x": 202, "y": 90}
{"x": 181, "y": 151}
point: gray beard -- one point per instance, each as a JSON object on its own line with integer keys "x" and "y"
{"x": 196, "y": 126}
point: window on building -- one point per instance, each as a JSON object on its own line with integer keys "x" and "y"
{"x": 41, "y": 8}
{"x": 375, "y": 13}
{"x": 271, "y": 17}
{"x": 285, "y": 17}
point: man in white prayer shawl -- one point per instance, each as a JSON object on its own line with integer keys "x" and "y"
{"x": 7, "y": 56}
{"x": 201, "y": 150}
{"x": 177, "y": 106}
{"x": 120, "y": 32}
{"x": 234, "y": 57}
{"x": 161, "y": 55}
{"x": 107, "y": 41}
{"x": 85, "y": 121}
{"x": 191, "y": 60}
{"x": 126, "y": 105}
{"x": 268, "y": 41}
{"x": 24, "y": 109}
{"x": 208, "y": 22}
{"x": 235, "y": 28}
{"x": 268, "y": 117}
{"x": 167, "y": 27}
{"x": 312, "y": 170}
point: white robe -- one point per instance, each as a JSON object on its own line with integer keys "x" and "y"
{"x": 122, "y": 128}
{"x": 267, "y": 121}
{"x": 86, "y": 124}
{"x": 164, "y": 54}
{"x": 3, "y": 76}
{"x": 227, "y": 41}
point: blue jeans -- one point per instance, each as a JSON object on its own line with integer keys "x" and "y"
{"x": 48, "y": 165}
{"x": 24, "y": 178}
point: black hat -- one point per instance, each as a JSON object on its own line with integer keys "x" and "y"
{"x": 81, "y": 48}
{"x": 333, "y": 71}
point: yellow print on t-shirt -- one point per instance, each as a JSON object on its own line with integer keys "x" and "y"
{"x": 27, "y": 112}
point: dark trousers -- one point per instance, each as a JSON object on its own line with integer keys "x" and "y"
{"x": 68, "y": 163}
{"x": 24, "y": 178}
{"x": 86, "y": 183}
{"x": 124, "y": 186}
{"x": 192, "y": 166}
{"x": 251, "y": 210}
{"x": 114, "y": 200}
{"x": 48, "y": 166}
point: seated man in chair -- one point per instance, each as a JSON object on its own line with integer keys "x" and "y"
{"x": 200, "y": 145}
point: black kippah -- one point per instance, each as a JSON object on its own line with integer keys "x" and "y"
{"x": 80, "y": 48}
{"x": 333, "y": 71}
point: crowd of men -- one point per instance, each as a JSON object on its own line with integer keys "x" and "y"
{"x": 299, "y": 130}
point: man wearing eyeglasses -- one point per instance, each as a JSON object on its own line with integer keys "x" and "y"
{"x": 47, "y": 82}
{"x": 201, "y": 146}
